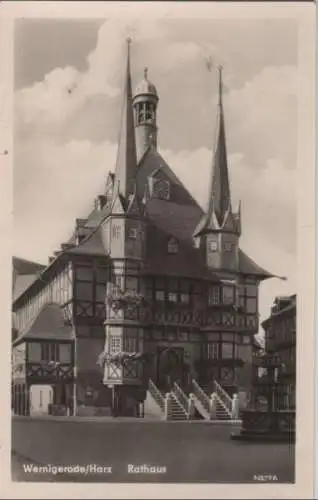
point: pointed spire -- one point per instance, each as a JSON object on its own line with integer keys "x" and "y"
{"x": 219, "y": 213}
{"x": 126, "y": 163}
{"x": 220, "y": 186}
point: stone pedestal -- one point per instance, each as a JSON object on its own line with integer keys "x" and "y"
{"x": 267, "y": 426}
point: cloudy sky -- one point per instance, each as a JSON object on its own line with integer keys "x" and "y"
{"x": 68, "y": 81}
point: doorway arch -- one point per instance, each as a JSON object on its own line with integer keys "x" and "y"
{"x": 170, "y": 367}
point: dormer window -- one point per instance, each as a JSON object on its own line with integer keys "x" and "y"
{"x": 173, "y": 246}
{"x": 132, "y": 233}
{"x": 162, "y": 189}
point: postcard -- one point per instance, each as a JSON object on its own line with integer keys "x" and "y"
{"x": 157, "y": 165}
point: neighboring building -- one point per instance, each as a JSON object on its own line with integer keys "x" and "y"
{"x": 147, "y": 272}
{"x": 280, "y": 339}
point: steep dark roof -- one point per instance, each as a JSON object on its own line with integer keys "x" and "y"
{"x": 48, "y": 325}
{"x": 24, "y": 273}
{"x": 176, "y": 219}
{"x": 24, "y": 266}
{"x": 91, "y": 245}
{"x": 153, "y": 164}
{"x": 249, "y": 267}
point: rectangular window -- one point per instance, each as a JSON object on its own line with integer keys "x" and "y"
{"x": 84, "y": 273}
{"x": 173, "y": 297}
{"x": 251, "y": 290}
{"x": 228, "y": 246}
{"x": 213, "y": 246}
{"x": 49, "y": 352}
{"x": 184, "y": 298}
{"x": 148, "y": 293}
{"x": 228, "y": 294}
{"x": 100, "y": 293}
{"x": 34, "y": 352}
{"x": 214, "y": 295}
{"x": 236, "y": 350}
{"x": 173, "y": 285}
{"x": 184, "y": 286}
{"x": 160, "y": 295}
{"x": 119, "y": 281}
{"x": 132, "y": 233}
{"x": 116, "y": 232}
{"x": 227, "y": 350}
{"x": 130, "y": 344}
{"x": 172, "y": 245}
{"x": 160, "y": 283}
{"x": 102, "y": 275}
{"x": 251, "y": 306}
{"x": 65, "y": 353}
{"x": 84, "y": 290}
{"x": 132, "y": 283}
{"x": 246, "y": 340}
{"x": 45, "y": 352}
{"x": 213, "y": 350}
{"x": 115, "y": 344}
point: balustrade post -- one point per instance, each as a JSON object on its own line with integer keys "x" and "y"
{"x": 167, "y": 406}
{"x": 191, "y": 406}
{"x": 235, "y": 410}
{"x": 213, "y": 399}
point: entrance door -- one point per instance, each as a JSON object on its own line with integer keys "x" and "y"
{"x": 40, "y": 398}
{"x": 170, "y": 367}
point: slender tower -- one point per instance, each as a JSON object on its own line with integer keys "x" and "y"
{"x": 220, "y": 227}
{"x": 123, "y": 232}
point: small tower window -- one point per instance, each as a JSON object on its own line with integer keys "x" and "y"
{"x": 132, "y": 233}
{"x": 228, "y": 246}
{"x": 173, "y": 246}
{"x": 213, "y": 246}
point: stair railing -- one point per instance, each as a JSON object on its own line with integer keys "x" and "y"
{"x": 181, "y": 396}
{"x": 201, "y": 395}
{"x": 156, "y": 394}
{"x": 223, "y": 396}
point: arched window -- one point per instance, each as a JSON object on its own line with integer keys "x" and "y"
{"x": 173, "y": 246}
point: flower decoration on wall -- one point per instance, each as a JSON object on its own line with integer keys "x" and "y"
{"x": 124, "y": 300}
{"x": 121, "y": 358}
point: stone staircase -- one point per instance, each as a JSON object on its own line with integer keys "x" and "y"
{"x": 170, "y": 406}
{"x": 176, "y": 409}
{"x": 210, "y": 402}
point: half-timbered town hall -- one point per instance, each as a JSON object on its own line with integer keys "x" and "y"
{"x": 150, "y": 293}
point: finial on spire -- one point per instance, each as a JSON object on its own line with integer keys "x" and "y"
{"x": 129, "y": 42}
{"x": 146, "y": 73}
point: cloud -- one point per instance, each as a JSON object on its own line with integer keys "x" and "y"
{"x": 67, "y": 126}
{"x": 57, "y": 185}
{"x": 263, "y": 116}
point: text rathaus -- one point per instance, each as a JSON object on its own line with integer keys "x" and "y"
{"x": 151, "y": 292}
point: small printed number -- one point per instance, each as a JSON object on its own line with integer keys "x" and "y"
{"x": 265, "y": 477}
